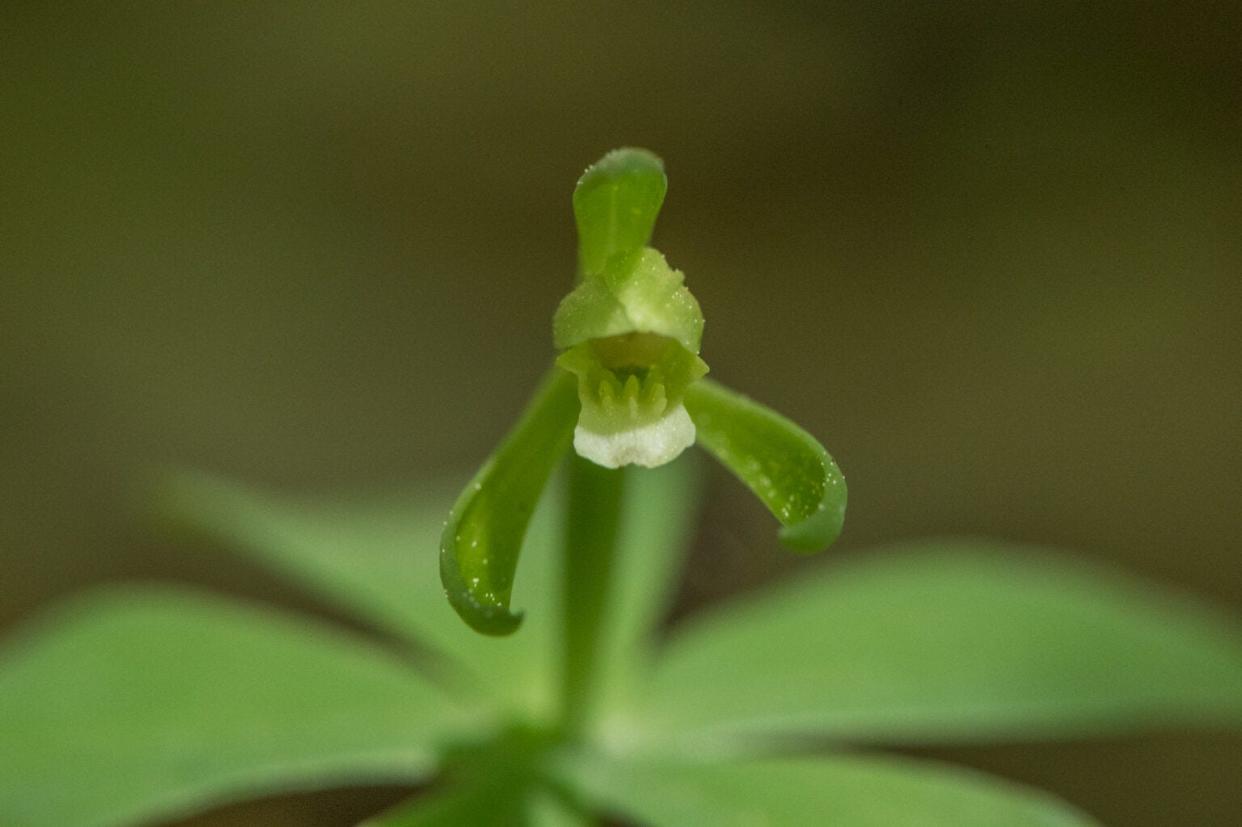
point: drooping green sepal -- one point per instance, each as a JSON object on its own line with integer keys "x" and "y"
{"x": 616, "y": 203}
{"x": 784, "y": 465}
{"x": 483, "y": 536}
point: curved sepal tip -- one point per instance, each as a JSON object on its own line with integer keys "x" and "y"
{"x": 483, "y": 537}
{"x": 616, "y": 203}
{"x": 781, "y": 463}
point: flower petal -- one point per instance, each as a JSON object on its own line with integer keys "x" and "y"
{"x": 786, "y": 468}
{"x": 483, "y": 536}
{"x": 636, "y": 293}
{"x": 650, "y": 445}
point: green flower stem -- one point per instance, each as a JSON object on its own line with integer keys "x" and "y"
{"x": 595, "y": 495}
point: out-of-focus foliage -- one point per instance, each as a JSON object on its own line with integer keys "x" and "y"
{"x": 143, "y": 702}
{"x": 991, "y": 250}
{"x": 156, "y": 702}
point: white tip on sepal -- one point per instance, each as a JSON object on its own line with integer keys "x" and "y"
{"x": 650, "y": 445}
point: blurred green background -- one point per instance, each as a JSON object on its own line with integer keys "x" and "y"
{"x": 990, "y": 253}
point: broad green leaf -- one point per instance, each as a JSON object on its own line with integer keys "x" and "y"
{"x": 377, "y": 559}
{"x": 786, "y": 468}
{"x": 134, "y": 704}
{"x": 616, "y": 203}
{"x": 951, "y": 641}
{"x": 843, "y": 791}
{"x": 483, "y": 537}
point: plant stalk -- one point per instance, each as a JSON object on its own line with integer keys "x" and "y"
{"x": 592, "y": 523}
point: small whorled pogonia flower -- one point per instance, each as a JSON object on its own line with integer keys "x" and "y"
{"x": 628, "y": 388}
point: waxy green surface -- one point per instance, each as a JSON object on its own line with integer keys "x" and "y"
{"x": 630, "y": 332}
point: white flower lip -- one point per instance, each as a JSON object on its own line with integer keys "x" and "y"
{"x": 650, "y": 445}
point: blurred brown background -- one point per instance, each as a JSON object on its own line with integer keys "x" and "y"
{"x": 990, "y": 253}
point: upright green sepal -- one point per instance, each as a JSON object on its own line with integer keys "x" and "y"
{"x": 784, "y": 465}
{"x": 616, "y": 203}
{"x": 483, "y": 536}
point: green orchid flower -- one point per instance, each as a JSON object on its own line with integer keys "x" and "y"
{"x": 627, "y": 388}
